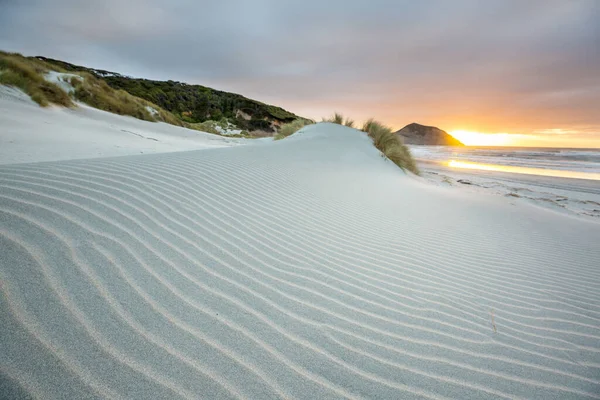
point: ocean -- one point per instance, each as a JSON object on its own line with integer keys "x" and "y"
{"x": 582, "y": 163}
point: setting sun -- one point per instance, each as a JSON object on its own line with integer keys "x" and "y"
{"x": 483, "y": 139}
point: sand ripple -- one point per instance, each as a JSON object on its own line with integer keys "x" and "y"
{"x": 309, "y": 268}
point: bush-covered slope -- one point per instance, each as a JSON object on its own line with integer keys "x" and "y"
{"x": 193, "y": 103}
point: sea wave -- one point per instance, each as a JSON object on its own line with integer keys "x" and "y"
{"x": 579, "y": 160}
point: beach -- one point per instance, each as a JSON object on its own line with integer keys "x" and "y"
{"x": 304, "y": 268}
{"x": 316, "y": 200}
{"x": 570, "y": 196}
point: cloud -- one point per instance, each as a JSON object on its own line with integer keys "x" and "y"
{"x": 498, "y": 65}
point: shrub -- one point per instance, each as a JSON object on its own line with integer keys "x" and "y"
{"x": 98, "y": 94}
{"x": 390, "y": 145}
{"x": 169, "y": 118}
{"x": 26, "y": 74}
{"x": 291, "y": 128}
{"x": 159, "y": 114}
{"x": 206, "y": 126}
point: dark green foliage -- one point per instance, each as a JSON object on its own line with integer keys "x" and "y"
{"x": 97, "y": 93}
{"x": 192, "y": 103}
{"x": 27, "y": 73}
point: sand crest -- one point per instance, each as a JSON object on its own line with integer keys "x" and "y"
{"x": 305, "y": 268}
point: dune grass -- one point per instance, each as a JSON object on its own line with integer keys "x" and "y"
{"x": 336, "y": 118}
{"x": 390, "y": 145}
{"x": 291, "y": 127}
{"x": 27, "y": 75}
{"x": 159, "y": 114}
{"x": 98, "y": 94}
{"x": 339, "y": 119}
{"x": 205, "y": 126}
{"x": 218, "y": 128}
{"x": 384, "y": 139}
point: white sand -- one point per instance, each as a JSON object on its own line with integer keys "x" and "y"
{"x": 29, "y": 133}
{"x": 305, "y": 268}
{"x": 61, "y": 79}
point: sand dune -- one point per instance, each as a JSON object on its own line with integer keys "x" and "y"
{"x": 29, "y": 133}
{"x": 305, "y": 268}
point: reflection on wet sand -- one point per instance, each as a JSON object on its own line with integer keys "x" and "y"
{"x": 524, "y": 170}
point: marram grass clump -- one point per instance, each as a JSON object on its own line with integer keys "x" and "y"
{"x": 339, "y": 119}
{"x": 291, "y": 127}
{"x": 98, "y": 94}
{"x": 27, "y": 75}
{"x": 390, "y": 145}
{"x": 336, "y": 118}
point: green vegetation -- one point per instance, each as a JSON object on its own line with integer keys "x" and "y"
{"x": 206, "y": 126}
{"x": 98, "y": 94}
{"x": 390, "y": 145}
{"x": 339, "y": 119}
{"x": 27, "y": 75}
{"x": 193, "y": 103}
{"x": 218, "y": 128}
{"x": 292, "y": 127}
{"x": 384, "y": 139}
{"x": 193, "y": 106}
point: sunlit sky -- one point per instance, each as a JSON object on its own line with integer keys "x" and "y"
{"x": 494, "y": 72}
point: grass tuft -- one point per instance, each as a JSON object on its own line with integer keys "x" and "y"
{"x": 390, "y": 145}
{"x": 27, "y": 75}
{"x": 98, "y": 94}
{"x": 291, "y": 128}
{"x": 337, "y": 118}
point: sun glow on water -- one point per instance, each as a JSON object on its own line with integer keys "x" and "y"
{"x": 524, "y": 170}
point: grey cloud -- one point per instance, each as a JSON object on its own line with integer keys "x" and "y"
{"x": 392, "y": 59}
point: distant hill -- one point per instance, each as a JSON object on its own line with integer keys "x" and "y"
{"x": 427, "y": 135}
{"x": 193, "y": 103}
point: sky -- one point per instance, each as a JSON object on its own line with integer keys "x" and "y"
{"x": 522, "y": 72}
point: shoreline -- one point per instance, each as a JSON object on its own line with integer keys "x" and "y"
{"x": 572, "y": 196}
